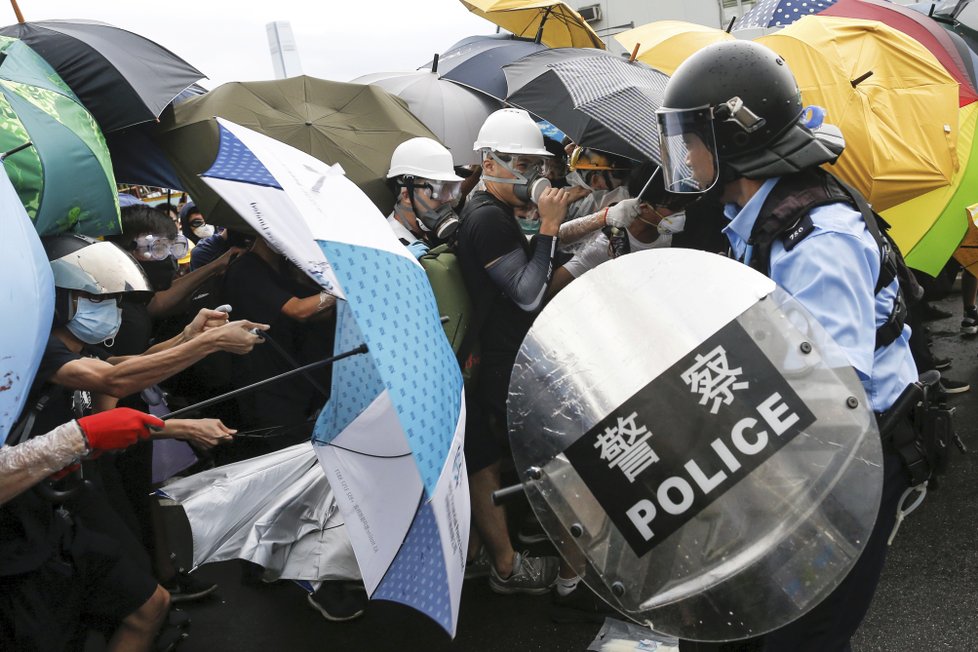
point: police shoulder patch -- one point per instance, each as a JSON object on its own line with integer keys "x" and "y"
{"x": 797, "y": 233}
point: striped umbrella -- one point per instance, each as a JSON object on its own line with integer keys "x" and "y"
{"x": 598, "y": 99}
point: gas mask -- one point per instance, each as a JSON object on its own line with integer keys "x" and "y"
{"x": 440, "y": 221}
{"x": 528, "y": 186}
{"x": 95, "y": 321}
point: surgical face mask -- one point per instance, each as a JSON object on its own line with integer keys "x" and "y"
{"x": 204, "y": 231}
{"x": 95, "y": 321}
{"x": 160, "y": 272}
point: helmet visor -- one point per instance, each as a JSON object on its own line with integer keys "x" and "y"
{"x": 689, "y": 153}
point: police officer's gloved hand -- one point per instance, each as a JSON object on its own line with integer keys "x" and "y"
{"x": 116, "y": 429}
{"x": 623, "y": 213}
{"x": 419, "y": 248}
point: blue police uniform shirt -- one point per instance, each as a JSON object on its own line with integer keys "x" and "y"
{"x": 832, "y": 272}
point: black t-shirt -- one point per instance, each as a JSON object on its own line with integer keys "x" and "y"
{"x": 257, "y": 292}
{"x": 487, "y": 231}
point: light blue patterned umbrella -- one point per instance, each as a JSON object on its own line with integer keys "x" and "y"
{"x": 390, "y": 437}
{"x": 26, "y": 304}
{"x": 780, "y": 13}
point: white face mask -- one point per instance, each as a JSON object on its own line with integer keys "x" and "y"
{"x": 205, "y": 231}
{"x": 674, "y": 223}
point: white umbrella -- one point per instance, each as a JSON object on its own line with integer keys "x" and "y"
{"x": 452, "y": 112}
{"x": 391, "y": 435}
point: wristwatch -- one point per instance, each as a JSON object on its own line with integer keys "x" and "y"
{"x": 323, "y": 298}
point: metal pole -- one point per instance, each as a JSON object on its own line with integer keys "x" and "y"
{"x": 244, "y": 390}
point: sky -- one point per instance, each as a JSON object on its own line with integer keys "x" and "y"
{"x": 226, "y": 40}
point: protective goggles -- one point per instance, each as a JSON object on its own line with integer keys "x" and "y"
{"x": 441, "y": 190}
{"x": 151, "y": 247}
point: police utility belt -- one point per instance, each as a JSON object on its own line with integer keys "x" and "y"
{"x": 919, "y": 429}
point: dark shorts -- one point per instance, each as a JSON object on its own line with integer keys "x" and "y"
{"x": 44, "y": 609}
{"x": 486, "y": 435}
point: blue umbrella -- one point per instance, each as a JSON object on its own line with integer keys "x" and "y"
{"x": 780, "y": 13}
{"x": 27, "y": 291}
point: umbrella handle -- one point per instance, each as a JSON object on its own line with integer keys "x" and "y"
{"x": 20, "y": 16}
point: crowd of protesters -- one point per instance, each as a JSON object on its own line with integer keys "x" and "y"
{"x": 175, "y": 310}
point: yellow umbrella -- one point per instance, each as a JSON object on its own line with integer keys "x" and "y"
{"x": 900, "y": 122}
{"x": 664, "y": 44}
{"x": 929, "y": 227}
{"x": 562, "y": 26}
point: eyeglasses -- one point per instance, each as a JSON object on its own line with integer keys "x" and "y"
{"x": 151, "y": 247}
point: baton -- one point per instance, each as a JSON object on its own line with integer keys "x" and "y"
{"x": 261, "y": 383}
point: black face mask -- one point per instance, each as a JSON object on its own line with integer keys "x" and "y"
{"x": 160, "y": 272}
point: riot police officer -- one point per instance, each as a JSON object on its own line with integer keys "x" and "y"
{"x": 732, "y": 123}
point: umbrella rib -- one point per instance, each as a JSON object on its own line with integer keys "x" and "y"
{"x": 380, "y": 457}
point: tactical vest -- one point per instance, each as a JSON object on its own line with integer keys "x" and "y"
{"x": 786, "y": 216}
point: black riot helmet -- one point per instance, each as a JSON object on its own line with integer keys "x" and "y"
{"x": 739, "y": 102}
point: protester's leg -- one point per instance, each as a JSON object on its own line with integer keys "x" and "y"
{"x": 490, "y": 519}
{"x": 969, "y": 292}
{"x": 138, "y": 629}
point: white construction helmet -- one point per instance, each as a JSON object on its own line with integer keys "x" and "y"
{"x": 424, "y": 158}
{"x": 511, "y": 131}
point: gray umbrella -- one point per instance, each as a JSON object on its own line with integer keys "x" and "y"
{"x": 597, "y": 98}
{"x": 454, "y": 113}
{"x": 121, "y": 78}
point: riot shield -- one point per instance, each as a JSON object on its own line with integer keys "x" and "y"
{"x": 695, "y": 444}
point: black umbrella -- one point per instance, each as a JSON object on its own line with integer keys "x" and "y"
{"x": 477, "y": 62}
{"x": 121, "y": 78}
{"x": 598, "y": 99}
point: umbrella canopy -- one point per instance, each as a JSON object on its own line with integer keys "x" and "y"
{"x": 477, "y": 62}
{"x": 780, "y": 13}
{"x": 596, "y": 98}
{"x": 28, "y": 293}
{"x": 65, "y": 180}
{"x": 390, "y": 437}
{"x": 452, "y": 112}
{"x": 928, "y": 228}
{"x": 355, "y": 125}
{"x": 919, "y": 27}
{"x": 887, "y": 161}
{"x": 121, "y": 77}
{"x": 546, "y": 21}
{"x": 664, "y": 44}
{"x": 276, "y": 510}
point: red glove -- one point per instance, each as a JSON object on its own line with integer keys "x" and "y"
{"x": 117, "y": 429}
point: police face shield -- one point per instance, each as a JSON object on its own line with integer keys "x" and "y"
{"x": 689, "y": 152}
{"x": 716, "y": 486}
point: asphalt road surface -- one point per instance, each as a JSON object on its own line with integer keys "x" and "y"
{"x": 928, "y": 598}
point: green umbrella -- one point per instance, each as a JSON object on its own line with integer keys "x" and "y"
{"x": 355, "y": 125}
{"x": 65, "y": 180}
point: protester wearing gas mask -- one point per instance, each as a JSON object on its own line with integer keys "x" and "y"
{"x": 422, "y": 175}
{"x": 506, "y": 277}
